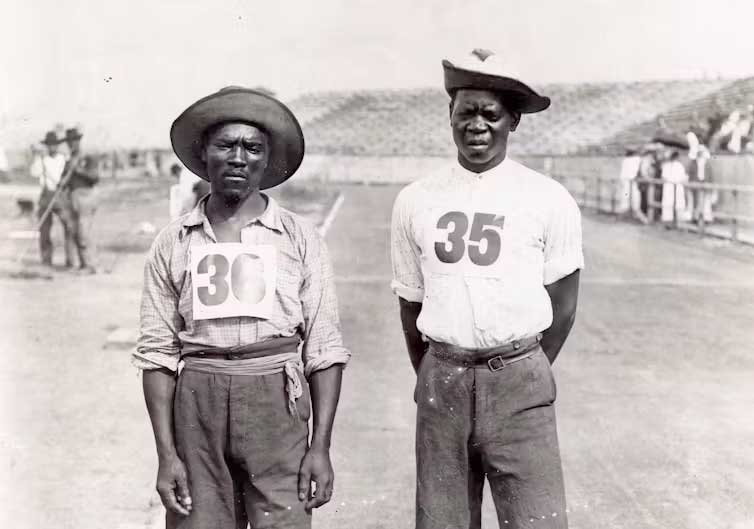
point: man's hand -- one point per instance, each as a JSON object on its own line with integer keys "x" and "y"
{"x": 315, "y": 467}
{"x": 172, "y": 485}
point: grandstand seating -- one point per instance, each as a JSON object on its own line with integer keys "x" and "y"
{"x": 583, "y": 117}
{"x": 733, "y": 95}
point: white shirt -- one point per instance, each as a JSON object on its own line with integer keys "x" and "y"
{"x": 478, "y": 249}
{"x": 629, "y": 167}
{"x": 49, "y": 170}
{"x": 674, "y": 172}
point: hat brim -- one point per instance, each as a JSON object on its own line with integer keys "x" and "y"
{"x": 247, "y": 106}
{"x": 520, "y": 96}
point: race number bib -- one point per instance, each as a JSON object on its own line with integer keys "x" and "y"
{"x": 233, "y": 279}
{"x": 462, "y": 242}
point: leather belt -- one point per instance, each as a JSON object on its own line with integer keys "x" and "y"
{"x": 495, "y": 358}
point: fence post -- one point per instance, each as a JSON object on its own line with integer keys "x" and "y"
{"x": 675, "y": 206}
{"x": 734, "y": 225}
{"x": 700, "y": 195}
{"x": 598, "y": 193}
{"x": 586, "y": 190}
{"x": 619, "y": 185}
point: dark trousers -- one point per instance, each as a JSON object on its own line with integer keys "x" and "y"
{"x": 473, "y": 422}
{"x": 242, "y": 449}
{"x": 82, "y": 209}
{"x": 61, "y": 210}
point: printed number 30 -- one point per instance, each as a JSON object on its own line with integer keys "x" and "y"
{"x": 481, "y": 230}
{"x": 246, "y": 274}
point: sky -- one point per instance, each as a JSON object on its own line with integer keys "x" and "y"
{"x": 125, "y": 70}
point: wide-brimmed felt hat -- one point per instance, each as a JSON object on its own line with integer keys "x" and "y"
{"x": 238, "y": 104}
{"x": 51, "y": 138}
{"x": 73, "y": 134}
{"x": 483, "y": 70}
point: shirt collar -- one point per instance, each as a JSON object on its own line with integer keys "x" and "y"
{"x": 461, "y": 171}
{"x": 270, "y": 217}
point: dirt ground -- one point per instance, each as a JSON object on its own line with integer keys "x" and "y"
{"x": 654, "y": 384}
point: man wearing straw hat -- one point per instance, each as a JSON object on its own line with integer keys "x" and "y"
{"x": 84, "y": 176}
{"x": 53, "y": 199}
{"x": 238, "y": 313}
{"x": 486, "y": 258}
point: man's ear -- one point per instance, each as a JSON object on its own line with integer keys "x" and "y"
{"x": 515, "y": 121}
{"x": 203, "y": 153}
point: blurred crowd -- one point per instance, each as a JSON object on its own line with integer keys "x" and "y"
{"x": 654, "y": 183}
{"x": 674, "y": 160}
{"x": 732, "y": 132}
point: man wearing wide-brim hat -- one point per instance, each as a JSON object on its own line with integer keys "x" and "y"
{"x": 238, "y": 313}
{"x": 84, "y": 176}
{"x": 49, "y": 168}
{"x": 486, "y": 258}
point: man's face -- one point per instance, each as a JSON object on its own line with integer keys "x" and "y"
{"x": 74, "y": 145}
{"x": 52, "y": 149}
{"x": 236, "y": 156}
{"x": 481, "y": 125}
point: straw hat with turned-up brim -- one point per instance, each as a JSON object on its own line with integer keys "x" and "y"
{"x": 235, "y": 104}
{"x": 484, "y": 70}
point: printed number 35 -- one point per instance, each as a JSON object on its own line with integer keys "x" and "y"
{"x": 482, "y": 229}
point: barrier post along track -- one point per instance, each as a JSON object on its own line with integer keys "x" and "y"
{"x": 734, "y": 218}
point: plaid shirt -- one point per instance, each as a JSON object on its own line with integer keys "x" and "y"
{"x": 304, "y": 304}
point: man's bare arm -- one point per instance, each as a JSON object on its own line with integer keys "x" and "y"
{"x": 172, "y": 482}
{"x": 316, "y": 465}
{"x": 416, "y": 346}
{"x": 564, "y": 295}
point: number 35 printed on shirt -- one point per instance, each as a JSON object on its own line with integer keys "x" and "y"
{"x": 468, "y": 243}
{"x": 233, "y": 279}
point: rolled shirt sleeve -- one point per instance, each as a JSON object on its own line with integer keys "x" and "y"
{"x": 408, "y": 281}
{"x": 323, "y": 341}
{"x": 158, "y": 345}
{"x": 563, "y": 249}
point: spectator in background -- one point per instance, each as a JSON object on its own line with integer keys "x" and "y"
{"x": 649, "y": 169}
{"x": 186, "y": 193}
{"x": 628, "y": 198}
{"x": 715, "y": 121}
{"x": 85, "y": 174}
{"x": 699, "y": 128}
{"x": 48, "y": 167}
{"x": 701, "y": 200}
{"x": 3, "y": 164}
{"x": 693, "y": 140}
{"x": 722, "y": 136}
{"x": 178, "y": 203}
{"x": 673, "y": 193}
{"x": 739, "y": 135}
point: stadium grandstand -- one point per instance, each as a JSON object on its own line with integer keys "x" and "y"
{"x": 598, "y": 118}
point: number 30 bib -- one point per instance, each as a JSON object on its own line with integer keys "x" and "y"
{"x": 233, "y": 279}
{"x": 464, "y": 242}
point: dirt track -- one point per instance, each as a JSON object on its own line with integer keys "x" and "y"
{"x": 654, "y": 388}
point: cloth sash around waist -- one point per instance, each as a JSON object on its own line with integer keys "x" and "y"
{"x": 262, "y": 358}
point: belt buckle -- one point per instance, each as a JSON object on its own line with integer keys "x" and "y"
{"x": 496, "y": 363}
